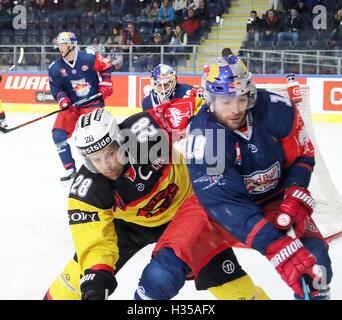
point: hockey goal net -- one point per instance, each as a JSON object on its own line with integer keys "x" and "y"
{"x": 328, "y": 211}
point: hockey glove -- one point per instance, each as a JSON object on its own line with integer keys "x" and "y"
{"x": 64, "y": 102}
{"x": 106, "y": 88}
{"x": 97, "y": 284}
{"x": 292, "y": 261}
{"x": 295, "y": 210}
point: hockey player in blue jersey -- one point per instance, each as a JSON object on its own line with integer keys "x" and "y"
{"x": 74, "y": 76}
{"x": 250, "y": 162}
{"x": 164, "y": 87}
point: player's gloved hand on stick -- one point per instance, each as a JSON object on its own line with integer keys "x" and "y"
{"x": 295, "y": 210}
{"x": 64, "y": 102}
{"x": 97, "y": 284}
{"x": 292, "y": 261}
{"x": 106, "y": 88}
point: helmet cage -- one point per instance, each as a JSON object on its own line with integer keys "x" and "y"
{"x": 163, "y": 81}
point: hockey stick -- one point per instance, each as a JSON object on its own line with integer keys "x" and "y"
{"x": 20, "y": 60}
{"x": 306, "y": 289}
{"x": 307, "y": 296}
{"x": 78, "y": 103}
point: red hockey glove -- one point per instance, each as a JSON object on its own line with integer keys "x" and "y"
{"x": 64, "y": 102}
{"x": 295, "y": 210}
{"x": 106, "y": 88}
{"x": 289, "y": 257}
{"x": 97, "y": 284}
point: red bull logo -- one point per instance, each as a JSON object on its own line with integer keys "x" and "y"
{"x": 263, "y": 180}
{"x": 81, "y": 87}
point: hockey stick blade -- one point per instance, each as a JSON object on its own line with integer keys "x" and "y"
{"x": 19, "y": 61}
{"x": 78, "y": 103}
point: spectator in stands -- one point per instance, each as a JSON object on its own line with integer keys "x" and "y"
{"x": 272, "y": 26}
{"x": 131, "y": 36}
{"x": 254, "y": 26}
{"x": 191, "y": 26}
{"x": 149, "y": 60}
{"x": 180, "y": 38}
{"x": 5, "y": 18}
{"x": 115, "y": 37}
{"x": 96, "y": 47}
{"x": 337, "y": 18}
{"x": 168, "y": 35}
{"x": 202, "y": 14}
{"x": 226, "y": 52}
{"x": 336, "y": 37}
{"x": 179, "y": 6}
{"x": 151, "y": 11}
{"x": 89, "y": 16}
{"x": 292, "y": 26}
{"x": 166, "y": 13}
{"x": 102, "y": 13}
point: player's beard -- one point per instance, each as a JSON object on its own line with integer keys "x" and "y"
{"x": 233, "y": 122}
{"x": 114, "y": 173}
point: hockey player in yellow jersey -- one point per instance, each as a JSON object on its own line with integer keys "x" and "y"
{"x": 123, "y": 198}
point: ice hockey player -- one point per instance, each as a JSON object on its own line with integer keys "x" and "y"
{"x": 3, "y": 122}
{"x": 260, "y": 190}
{"x": 164, "y": 87}
{"x": 74, "y": 76}
{"x": 117, "y": 207}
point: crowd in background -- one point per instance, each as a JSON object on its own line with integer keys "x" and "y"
{"x": 111, "y": 27}
{"x": 290, "y": 24}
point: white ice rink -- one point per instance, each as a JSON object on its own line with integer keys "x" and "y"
{"x": 34, "y": 233}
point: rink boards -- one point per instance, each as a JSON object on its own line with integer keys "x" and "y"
{"x": 30, "y": 92}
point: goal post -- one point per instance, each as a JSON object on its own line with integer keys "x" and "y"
{"x": 328, "y": 211}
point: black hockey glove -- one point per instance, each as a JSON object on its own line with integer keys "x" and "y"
{"x": 97, "y": 284}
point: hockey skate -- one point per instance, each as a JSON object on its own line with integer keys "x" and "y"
{"x": 3, "y": 123}
{"x": 69, "y": 174}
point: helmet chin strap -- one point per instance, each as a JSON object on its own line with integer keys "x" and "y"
{"x": 70, "y": 50}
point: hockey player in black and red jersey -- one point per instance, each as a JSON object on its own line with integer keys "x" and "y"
{"x": 123, "y": 198}
{"x": 73, "y": 77}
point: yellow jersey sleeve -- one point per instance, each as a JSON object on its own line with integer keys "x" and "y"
{"x": 90, "y": 211}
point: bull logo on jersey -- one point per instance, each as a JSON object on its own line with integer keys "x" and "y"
{"x": 262, "y": 181}
{"x": 81, "y": 87}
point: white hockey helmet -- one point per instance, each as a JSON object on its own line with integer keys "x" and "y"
{"x": 65, "y": 37}
{"x": 163, "y": 81}
{"x": 95, "y": 131}
{"x": 228, "y": 76}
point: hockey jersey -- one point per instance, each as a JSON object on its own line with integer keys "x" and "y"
{"x": 152, "y": 100}
{"x": 148, "y": 193}
{"x": 234, "y": 173}
{"x": 80, "y": 79}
